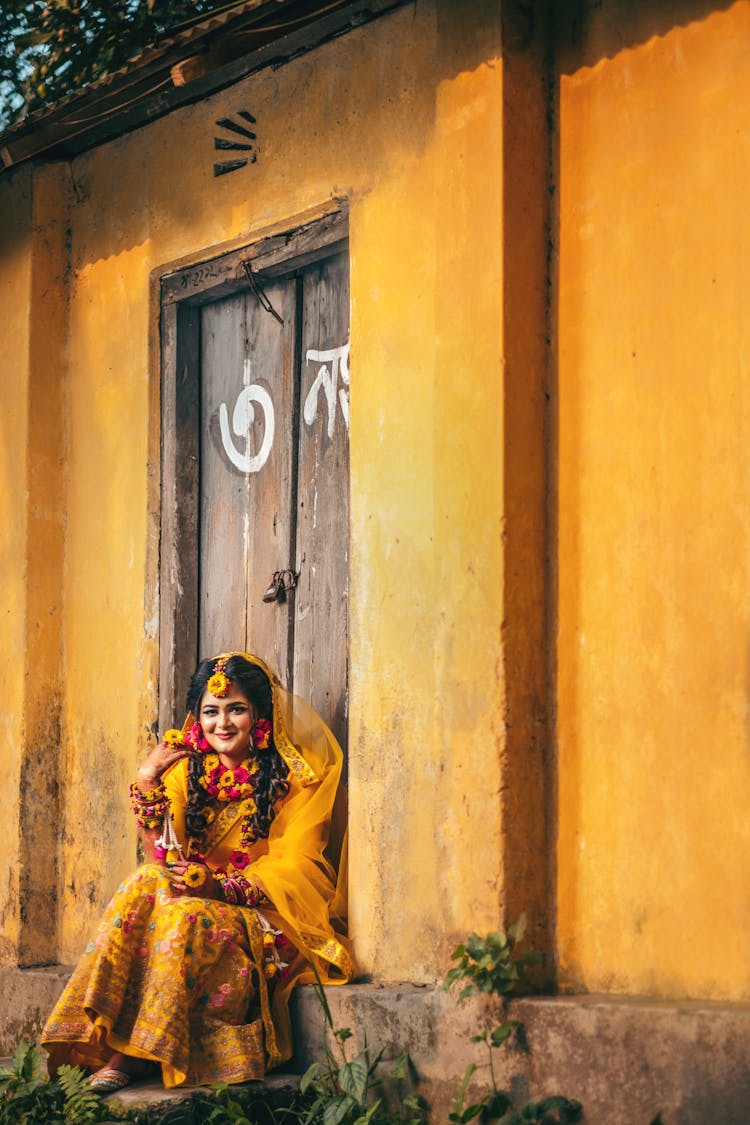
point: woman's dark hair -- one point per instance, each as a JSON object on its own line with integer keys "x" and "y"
{"x": 270, "y": 780}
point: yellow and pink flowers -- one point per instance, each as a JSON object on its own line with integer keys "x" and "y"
{"x": 196, "y": 739}
{"x": 218, "y": 683}
{"x": 226, "y": 784}
{"x": 261, "y": 735}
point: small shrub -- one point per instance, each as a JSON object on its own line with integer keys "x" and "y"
{"x": 358, "y": 1091}
{"x": 491, "y": 965}
{"x": 26, "y": 1095}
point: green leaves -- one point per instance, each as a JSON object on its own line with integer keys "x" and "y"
{"x": 496, "y": 1036}
{"x": 490, "y": 964}
{"x": 354, "y": 1076}
{"x": 28, "y": 1098}
{"x": 503, "y": 1032}
{"x": 82, "y": 1104}
{"x": 26, "y": 1071}
{"x": 308, "y": 1078}
{"x": 49, "y": 49}
{"x": 457, "y": 1113}
{"x": 345, "y": 1094}
{"x": 26, "y": 1095}
{"x": 496, "y": 1106}
{"x": 338, "y": 1109}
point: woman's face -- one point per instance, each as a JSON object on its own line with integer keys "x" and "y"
{"x": 227, "y": 723}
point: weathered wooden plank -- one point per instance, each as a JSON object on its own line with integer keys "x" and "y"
{"x": 224, "y": 493}
{"x": 178, "y": 579}
{"x": 269, "y": 546}
{"x": 246, "y": 460}
{"x": 322, "y": 530}
{"x": 276, "y": 255}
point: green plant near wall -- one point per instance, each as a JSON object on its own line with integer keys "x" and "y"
{"x": 493, "y": 966}
{"x": 223, "y": 1104}
{"x": 360, "y": 1090}
{"x": 28, "y": 1098}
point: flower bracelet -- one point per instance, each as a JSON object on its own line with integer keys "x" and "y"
{"x": 148, "y": 805}
{"x": 237, "y": 890}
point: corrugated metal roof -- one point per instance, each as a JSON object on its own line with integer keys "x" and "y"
{"x": 251, "y": 34}
{"x": 184, "y": 35}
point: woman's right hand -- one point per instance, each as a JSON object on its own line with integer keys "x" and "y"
{"x": 158, "y": 762}
{"x": 209, "y": 888}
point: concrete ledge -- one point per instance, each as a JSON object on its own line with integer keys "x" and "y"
{"x": 624, "y": 1059}
{"x": 26, "y": 999}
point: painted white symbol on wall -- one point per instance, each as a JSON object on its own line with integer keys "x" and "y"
{"x": 243, "y": 417}
{"x": 334, "y": 363}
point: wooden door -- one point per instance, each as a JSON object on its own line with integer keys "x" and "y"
{"x": 274, "y": 478}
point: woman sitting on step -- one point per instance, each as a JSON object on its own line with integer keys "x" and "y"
{"x": 196, "y": 955}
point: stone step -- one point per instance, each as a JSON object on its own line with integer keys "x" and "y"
{"x": 147, "y": 1092}
{"x": 281, "y": 1086}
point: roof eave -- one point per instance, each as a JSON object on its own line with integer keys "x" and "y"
{"x": 180, "y": 72}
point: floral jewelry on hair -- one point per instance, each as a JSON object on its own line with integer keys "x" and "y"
{"x": 261, "y": 734}
{"x": 196, "y": 738}
{"x": 218, "y": 683}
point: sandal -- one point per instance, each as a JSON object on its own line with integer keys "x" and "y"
{"x": 107, "y": 1080}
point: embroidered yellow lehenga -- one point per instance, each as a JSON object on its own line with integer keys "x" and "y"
{"x": 180, "y": 980}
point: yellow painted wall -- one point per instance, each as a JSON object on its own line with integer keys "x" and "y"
{"x": 438, "y": 142}
{"x": 15, "y": 295}
{"x": 42, "y": 822}
{"x": 405, "y": 118}
{"x": 653, "y": 483}
{"x": 33, "y": 298}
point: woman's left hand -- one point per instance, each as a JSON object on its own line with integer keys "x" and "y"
{"x": 209, "y": 888}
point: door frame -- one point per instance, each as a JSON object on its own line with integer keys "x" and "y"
{"x": 182, "y": 293}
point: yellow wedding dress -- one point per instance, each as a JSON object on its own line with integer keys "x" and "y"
{"x": 196, "y": 985}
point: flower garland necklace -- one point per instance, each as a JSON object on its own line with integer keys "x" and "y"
{"x": 225, "y": 784}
